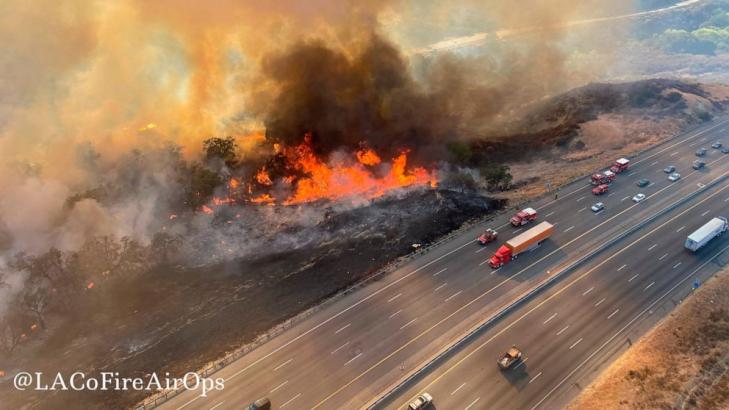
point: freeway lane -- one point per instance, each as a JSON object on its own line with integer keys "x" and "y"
{"x": 351, "y": 335}
{"x": 561, "y": 331}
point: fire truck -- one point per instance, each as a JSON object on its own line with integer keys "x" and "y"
{"x": 523, "y": 217}
{"x": 621, "y": 164}
{"x": 600, "y": 189}
{"x": 603, "y": 178}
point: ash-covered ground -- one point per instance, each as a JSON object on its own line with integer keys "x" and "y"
{"x": 174, "y": 319}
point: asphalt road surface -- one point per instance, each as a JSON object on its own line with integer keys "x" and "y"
{"x": 360, "y": 345}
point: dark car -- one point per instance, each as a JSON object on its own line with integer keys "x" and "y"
{"x": 716, "y": 145}
{"x": 725, "y": 150}
{"x": 669, "y": 169}
{"x": 701, "y": 152}
{"x": 643, "y": 182}
{"x": 698, "y": 164}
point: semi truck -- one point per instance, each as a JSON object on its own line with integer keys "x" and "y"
{"x": 523, "y": 217}
{"x": 710, "y": 230}
{"x": 602, "y": 178}
{"x": 620, "y": 165}
{"x": 521, "y": 243}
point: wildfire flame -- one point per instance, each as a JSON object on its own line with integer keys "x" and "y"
{"x": 341, "y": 178}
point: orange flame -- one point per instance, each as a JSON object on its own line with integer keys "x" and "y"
{"x": 263, "y": 178}
{"x": 368, "y": 157}
{"x": 206, "y": 209}
{"x": 344, "y": 178}
{"x": 90, "y": 285}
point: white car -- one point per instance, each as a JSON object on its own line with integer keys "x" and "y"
{"x": 420, "y": 402}
{"x": 638, "y": 197}
{"x": 674, "y": 177}
{"x": 598, "y": 207}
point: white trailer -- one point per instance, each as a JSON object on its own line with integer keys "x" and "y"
{"x": 710, "y": 230}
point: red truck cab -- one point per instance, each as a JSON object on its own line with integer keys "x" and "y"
{"x": 523, "y": 217}
{"x": 501, "y": 257}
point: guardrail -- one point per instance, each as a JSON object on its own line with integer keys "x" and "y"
{"x": 410, "y": 378}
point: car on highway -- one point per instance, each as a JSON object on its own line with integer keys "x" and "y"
{"x": 701, "y": 152}
{"x": 716, "y": 145}
{"x": 422, "y": 401}
{"x": 638, "y": 197}
{"x": 488, "y": 236}
{"x": 643, "y": 182}
{"x": 674, "y": 177}
{"x": 510, "y": 358}
{"x": 598, "y": 207}
{"x": 725, "y": 150}
{"x": 698, "y": 164}
{"x": 669, "y": 169}
{"x": 260, "y": 404}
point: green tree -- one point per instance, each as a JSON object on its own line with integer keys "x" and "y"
{"x": 498, "y": 177}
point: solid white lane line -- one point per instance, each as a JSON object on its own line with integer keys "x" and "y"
{"x": 458, "y": 388}
{"x": 633, "y": 277}
{"x": 535, "y": 377}
{"x": 676, "y": 265}
{"x": 394, "y": 297}
{"x": 282, "y": 364}
{"x": 473, "y": 403}
{"x": 339, "y": 348}
{"x": 575, "y": 344}
{"x": 453, "y": 295}
{"x": 663, "y": 257}
{"x": 613, "y": 314}
{"x": 580, "y": 198}
{"x": 290, "y": 400}
{"x": 652, "y": 246}
{"x": 278, "y": 387}
{"x": 444, "y": 269}
{"x": 624, "y": 198}
{"x": 621, "y": 268}
{"x": 588, "y": 291}
{"x": 408, "y": 324}
{"x": 704, "y": 214}
{"x": 549, "y": 214}
{"x": 563, "y": 329}
{"x": 353, "y": 359}
{"x": 649, "y": 286}
{"x": 440, "y": 287}
{"x": 600, "y": 302}
{"x": 217, "y": 405}
{"x": 550, "y": 318}
{"x": 680, "y": 229}
{"x": 569, "y": 229}
{"x": 342, "y": 328}
{"x": 395, "y": 314}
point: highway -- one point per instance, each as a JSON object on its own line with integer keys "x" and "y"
{"x": 570, "y": 332}
{"x": 357, "y": 346}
